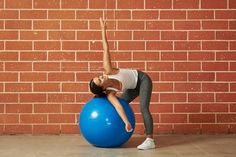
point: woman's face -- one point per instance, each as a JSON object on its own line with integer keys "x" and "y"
{"x": 100, "y": 80}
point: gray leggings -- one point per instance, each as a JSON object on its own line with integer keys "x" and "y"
{"x": 144, "y": 90}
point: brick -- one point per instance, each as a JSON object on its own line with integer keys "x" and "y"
{"x": 32, "y": 97}
{"x": 61, "y": 118}
{"x": 205, "y": 4}
{"x": 225, "y": 97}
{"x": 215, "y": 66}
{"x": 88, "y": 56}
{"x": 61, "y": 56}
{"x": 232, "y": 107}
{"x": 232, "y": 87}
{"x": 75, "y": 45}
{"x": 36, "y": 56}
{"x": 46, "y": 129}
{"x": 47, "y": 45}
{"x": 225, "y": 76}
{"x": 46, "y": 66}
{"x": 18, "y": 129}
{"x": 47, "y": 108}
{"x": 19, "y": 108}
{"x": 18, "y": 66}
{"x": 173, "y": 97}
{"x": 214, "y": 25}
{"x": 74, "y": 4}
{"x": 134, "y": 65}
{"x": 200, "y": 14}
{"x": 201, "y": 56}
{"x": 123, "y": 14}
{"x": 18, "y": 87}
{"x": 88, "y": 14}
{"x": 202, "y": 118}
{"x": 12, "y": 4}
{"x": 187, "y": 129}
{"x": 5, "y": 98}
{"x": 187, "y": 87}
{"x": 232, "y": 24}
{"x": 18, "y": 45}
{"x": 232, "y": 66}
{"x": 226, "y": 118}
{"x": 226, "y": 35}
{"x": 46, "y": 87}
{"x": 83, "y": 98}
{"x": 131, "y": 4}
{"x": 214, "y": 107}
{"x": 160, "y": 66}
{"x": 34, "y": 118}
{"x": 74, "y": 66}
{"x": 146, "y": 35}
{"x": 159, "y": 45}
{"x": 71, "y": 24}
{"x": 2, "y": 108}
{"x": 130, "y": 25}
{"x": 227, "y": 14}
{"x": 187, "y": 25}
{"x": 61, "y": 76}
{"x": 71, "y": 108}
{"x": 173, "y": 56}
{"x": 18, "y": 24}
{"x": 62, "y": 14}
{"x": 144, "y": 14}
{"x": 162, "y": 87}
{"x": 173, "y": 35}
{"x": 9, "y": 14}
{"x": 201, "y": 35}
{"x": 41, "y": 24}
{"x": 162, "y": 128}
{"x": 33, "y": 14}
{"x": 8, "y": 35}
{"x": 185, "y": 4}
{"x": 160, "y": 4}
{"x": 33, "y": 35}
{"x": 232, "y": 4}
{"x": 215, "y": 129}
{"x": 8, "y": 76}
{"x": 232, "y": 45}
{"x": 215, "y": 45}
{"x": 33, "y": 77}
{"x": 75, "y": 87}
{"x": 97, "y": 4}
{"x": 173, "y": 76}
{"x": 89, "y": 35}
{"x": 131, "y": 45}
{"x": 173, "y": 118}
{"x": 215, "y": 87}
{"x": 172, "y": 14}
{"x": 146, "y": 56}
{"x": 44, "y": 4}
{"x": 187, "y": 45}
{"x": 97, "y": 45}
{"x": 70, "y": 129}
{"x": 2, "y": 6}
{"x": 61, "y": 35}
{"x": 159, "y": 108}
{"x": 159, "y": 25}
{"x": 9, "y": 118}
{"x": 187, "y": 108}
{"x": 201, "y": 97}
{"x": 8, "y": 56}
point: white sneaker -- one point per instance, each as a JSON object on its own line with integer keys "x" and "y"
{"x": 147, "y": 144}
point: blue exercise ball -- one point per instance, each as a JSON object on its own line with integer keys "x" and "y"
{"x": 101, "y": 125}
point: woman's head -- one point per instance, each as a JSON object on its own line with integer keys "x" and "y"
{"x": 97, "y": 85}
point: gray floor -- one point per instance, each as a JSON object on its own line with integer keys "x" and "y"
{"x": 76, "y": 146}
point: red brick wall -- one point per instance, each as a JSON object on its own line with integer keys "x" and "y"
{"x": 50, "y": 49}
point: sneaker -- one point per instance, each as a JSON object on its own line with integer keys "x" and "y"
{"x": 147, "y": 144}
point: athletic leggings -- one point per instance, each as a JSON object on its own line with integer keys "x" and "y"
{"x": 144, "y": 90}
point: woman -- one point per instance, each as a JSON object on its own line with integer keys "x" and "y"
{"x": 132, "y": 83}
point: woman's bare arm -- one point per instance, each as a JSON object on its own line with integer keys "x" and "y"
{"x": 113, "y": 99}
{"x": 106, "y": 54}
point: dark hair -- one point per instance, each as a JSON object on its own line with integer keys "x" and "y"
{"x": 97, "y": 90}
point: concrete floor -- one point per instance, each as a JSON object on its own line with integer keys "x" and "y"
{"x": 76, "y": 146}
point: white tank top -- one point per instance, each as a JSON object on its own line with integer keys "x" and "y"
{"x": 127, "y": 77}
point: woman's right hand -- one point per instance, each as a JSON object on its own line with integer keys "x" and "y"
{"x": 102, "y": 23}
